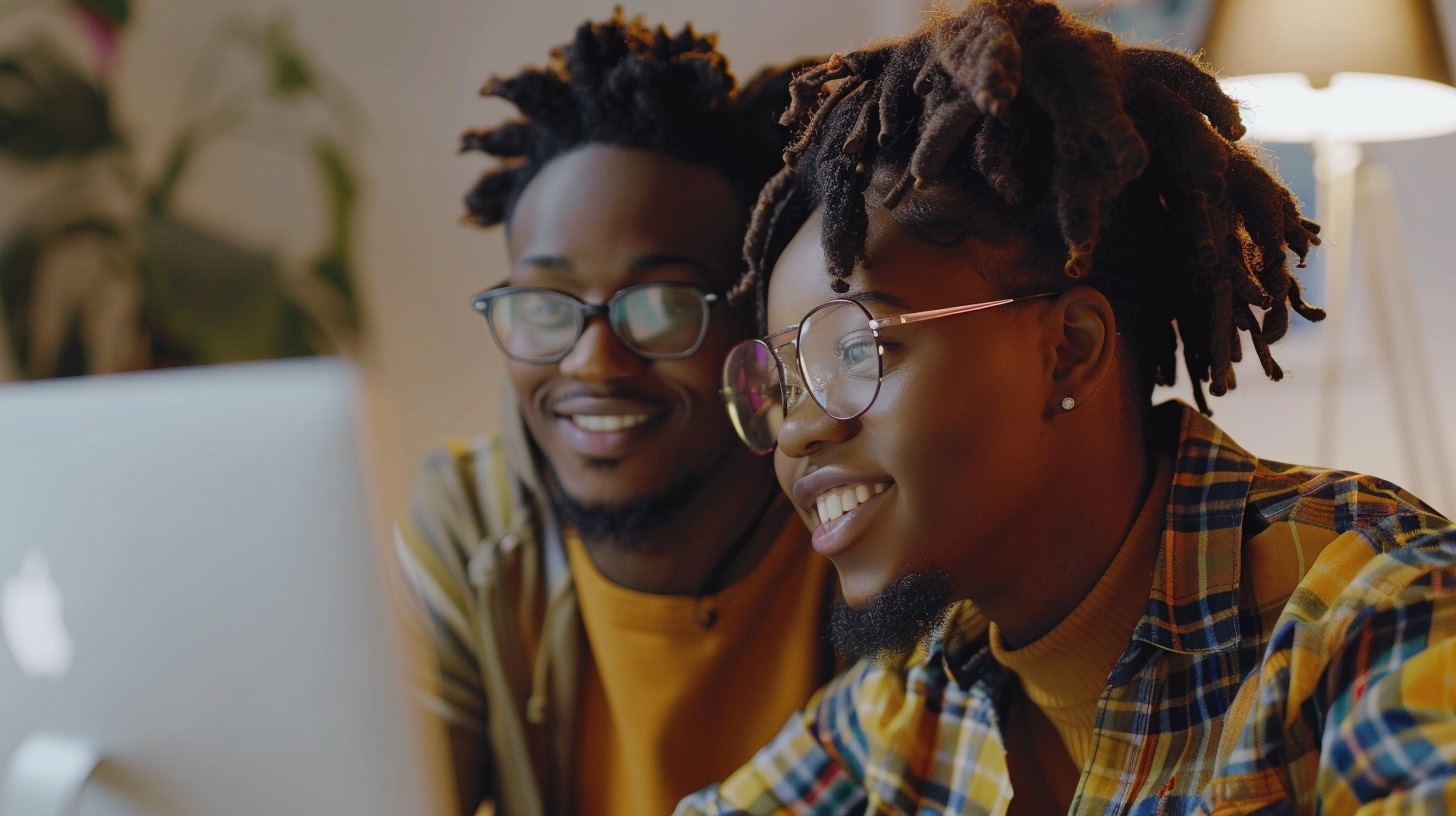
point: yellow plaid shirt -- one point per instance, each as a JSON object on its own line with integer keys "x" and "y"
{"x": 1297, "y": 655}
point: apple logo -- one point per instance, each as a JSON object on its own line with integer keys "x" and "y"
{"x": 30, "y": 612}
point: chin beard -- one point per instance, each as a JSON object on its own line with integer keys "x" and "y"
{"x": 896, "y": 620}
{"x": 625, "y": 524}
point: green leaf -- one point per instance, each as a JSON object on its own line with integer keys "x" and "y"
{"x": 117, "y": 13}
{"x": 291, "y": 74}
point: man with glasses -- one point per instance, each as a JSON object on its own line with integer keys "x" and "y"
{"x": 606, "y": 584}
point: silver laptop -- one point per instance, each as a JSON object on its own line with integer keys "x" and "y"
{"x": 192, "y": 613}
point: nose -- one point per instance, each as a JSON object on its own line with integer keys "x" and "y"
{"x": 807, "y": 428}
{"x": 599, "y": 354}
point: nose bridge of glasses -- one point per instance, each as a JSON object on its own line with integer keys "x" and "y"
{"x": 801, "y": 429}
{"x": 787, "y": 355}
{"x": 784, "y": 345}
{"x": 599, "y": 352}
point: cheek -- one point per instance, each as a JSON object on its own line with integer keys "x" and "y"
{"x": 920, "y": 435}
{"x": 698, "y": 382}
{"x": 700, "y": 375}
{"x": 948, "y": 428}
{"x": 527, "y": 378}
{"x": 784, "y": 469}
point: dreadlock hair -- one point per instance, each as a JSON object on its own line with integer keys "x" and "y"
{"x": 622, "y": 83}
{"x": 1120, "y": 163}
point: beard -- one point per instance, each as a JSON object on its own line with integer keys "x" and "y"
{"x": 896, "y": 620}
{"x": 624, "y": 525}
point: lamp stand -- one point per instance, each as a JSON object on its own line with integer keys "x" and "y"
{"x": 1356, "y": 208}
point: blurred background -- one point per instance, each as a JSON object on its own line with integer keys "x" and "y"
{"x": 197, "y": 181}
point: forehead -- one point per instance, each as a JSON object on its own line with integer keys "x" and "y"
{"x": 799, "y": 280}
{"x": 915, "y": 271}
{"x": 602, "y": 217}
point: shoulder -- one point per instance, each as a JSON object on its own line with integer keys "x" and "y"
{"x": 452, "y": 466}
{"x": 1333, "y": 547}
{"x": 1355, "y": 581}
{"x": 465, "y": 494}
{"x": 1339, "y": 501}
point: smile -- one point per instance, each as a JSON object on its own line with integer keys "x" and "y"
{"x": 834, "y": 503}
{"x": 607, "y": 423}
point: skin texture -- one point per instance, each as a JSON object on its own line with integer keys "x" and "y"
{"x": 1022, "y": 502}
{"x": 590, "y": 223}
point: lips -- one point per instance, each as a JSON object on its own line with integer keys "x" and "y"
{"x": 604, "y": 427}
{"x": 842, "y": 504}
{"x": 606, "y": 423}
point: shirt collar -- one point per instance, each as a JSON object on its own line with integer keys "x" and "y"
{"x": 959, "y": 646}
{"x": 1193, "y": 606}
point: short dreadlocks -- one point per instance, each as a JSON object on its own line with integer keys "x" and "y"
{"x": 622, "y": 83}
{"x": 1124, "y": 161}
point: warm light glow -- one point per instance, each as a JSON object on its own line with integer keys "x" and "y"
{"x": 1354, "y": 108}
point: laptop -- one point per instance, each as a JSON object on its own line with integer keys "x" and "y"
{"x": 193, "y": 612}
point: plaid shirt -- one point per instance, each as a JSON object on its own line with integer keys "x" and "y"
{"x": 1296, "y": 655}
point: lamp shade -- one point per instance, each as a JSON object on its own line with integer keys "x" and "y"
{"x": 1320, "y": 38}
{"x": 1334, "y": 70}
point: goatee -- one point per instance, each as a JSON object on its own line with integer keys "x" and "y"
{"x": 896, "y": 620}
{"x": 624, "y": 524}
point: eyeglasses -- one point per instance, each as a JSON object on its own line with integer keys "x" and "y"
{"x": 839, "y": 364}
{"x": 656, "y": 321}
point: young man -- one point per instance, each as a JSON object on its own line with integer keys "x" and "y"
{"x": 606, "y": 582}
{"x": 1121, "y": 610}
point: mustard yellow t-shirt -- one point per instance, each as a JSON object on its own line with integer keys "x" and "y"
{"x": 667, "y": 705}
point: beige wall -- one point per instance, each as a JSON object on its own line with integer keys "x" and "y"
{"x": 415, "y": 67}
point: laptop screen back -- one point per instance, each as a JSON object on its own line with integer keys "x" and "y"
{"x": 190, "y": 584}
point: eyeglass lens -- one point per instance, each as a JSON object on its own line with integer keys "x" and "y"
{"x": 840, "y": 358}
{"x": 754, "y": 394}
{"x": 837, "y": 355}
{"x": 652, "y": 320}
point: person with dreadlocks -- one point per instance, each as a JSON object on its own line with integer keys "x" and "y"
{"x": 604, "y": 582}
{"x": 988, "y": 244}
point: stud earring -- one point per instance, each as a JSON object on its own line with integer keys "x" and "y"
{"x": 1068, "y": 403}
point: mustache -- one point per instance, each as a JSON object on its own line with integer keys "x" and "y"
{"x": 628, "y": 394}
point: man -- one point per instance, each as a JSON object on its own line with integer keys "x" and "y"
{"x": 606, "y": 583}
{"x": 1006, "y": 229}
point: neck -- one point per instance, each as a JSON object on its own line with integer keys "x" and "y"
{"x": 679, "y": 556}
{"x": 1099, "y": 486}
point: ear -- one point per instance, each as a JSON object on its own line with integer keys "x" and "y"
{"x": 1084, "y": 332}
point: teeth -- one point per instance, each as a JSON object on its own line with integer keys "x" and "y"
{"x": 835, "y": 503}
{"x": 607, "y": 423}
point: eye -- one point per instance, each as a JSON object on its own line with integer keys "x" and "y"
{"x": 858, "y": 354}
{"x": 547, "y": 312}
{"x": 680, "y": 304}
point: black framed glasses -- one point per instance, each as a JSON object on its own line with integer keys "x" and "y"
{"x": 656, "y": 321}
{"x": 837, "y": 361}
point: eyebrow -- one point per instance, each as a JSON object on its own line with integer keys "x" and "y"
{"x": 641, "y": 264}
{"x": 877, "y": 297}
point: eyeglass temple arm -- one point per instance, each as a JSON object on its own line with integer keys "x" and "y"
{"x": 916, "y": 317}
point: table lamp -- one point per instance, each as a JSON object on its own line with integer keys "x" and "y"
{"x": 1338, "y": 74}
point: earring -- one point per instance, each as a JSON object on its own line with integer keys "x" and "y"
{"x": 1068, "y": 403}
